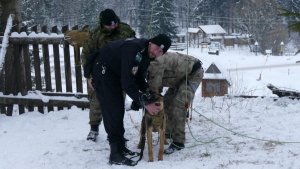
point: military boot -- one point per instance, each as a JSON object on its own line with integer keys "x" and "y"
{"x": 93, "y": 133}
{"x": 117, "y": 158}
{"x": 125, "y": 151}
{"x": 174, "y": 147}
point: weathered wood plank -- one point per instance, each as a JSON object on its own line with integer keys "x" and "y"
{"x": 36, "y": 40}
{"x": 25, "y": 101}
{"x": 78, "y": 72}
{"x": 68, "y": 74}
{"x": 37, "y": 72}
{"x": 19, "y": 75}
{"x": 37, "y": 68}
{"x": 9, "y": 74}
{"x": 27, "y": 65}
{"x": 77, "y": 95}
{"x": 47, "y": 67}
{"x": 45, "y": 48}
{"x": 57, "y": 70}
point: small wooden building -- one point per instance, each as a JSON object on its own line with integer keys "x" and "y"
{"x": 212, "y": 33}
{"x": 194, "y": 36}
{"x": 213, "y": 83}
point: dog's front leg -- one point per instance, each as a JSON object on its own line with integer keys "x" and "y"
{"x": 149, "y": 141}
{"x": 162, "y": 131}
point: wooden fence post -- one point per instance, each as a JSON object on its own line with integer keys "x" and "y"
{"x": 77, "y": 62}
{"x": 10, "y": 73}
{"x": 27, "y": 67}
{"x": 57, "y": 70}
{"x": 68, "y": 73}
{"x": 37, "y": 68}
{"x": 47, "y": 70}
{"x": 2, "y": 83}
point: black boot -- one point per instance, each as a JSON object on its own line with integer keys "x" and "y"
{"x": 174, "y": 147}
{"x": 125, "y": 151}
{"x": 93, "y": 133}
{"x": 117, "y": 158}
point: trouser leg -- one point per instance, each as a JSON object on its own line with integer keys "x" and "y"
{"x": 110, "y": 95}
{"x": 184, "y": 95}
{"x": 95, "y": 114}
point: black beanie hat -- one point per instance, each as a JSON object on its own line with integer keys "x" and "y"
{"x": 162, "y": 40}
{"x": 108, "y": 17}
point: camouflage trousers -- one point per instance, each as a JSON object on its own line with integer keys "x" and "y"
{"x": 95, "y": 113}
{"x": 175, "y": 102}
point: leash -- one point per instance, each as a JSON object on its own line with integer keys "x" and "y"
{"x": 244, "y": 135}
{"x": 143, "y": 136}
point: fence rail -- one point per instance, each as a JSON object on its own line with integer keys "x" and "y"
{"x": 40, "y": 59}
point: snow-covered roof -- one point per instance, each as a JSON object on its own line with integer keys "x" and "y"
{"x": 193, "y": 30}
{"x": 212, "y": 29}
{"x": 218, "y": 76}
{"x": 180, "y": 34}
{"x": 213, "y": 72}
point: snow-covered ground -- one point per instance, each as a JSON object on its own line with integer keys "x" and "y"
{"x": 225, "y": 132}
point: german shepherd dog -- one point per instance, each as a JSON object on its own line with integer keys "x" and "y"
{"x": 153, "y": 123}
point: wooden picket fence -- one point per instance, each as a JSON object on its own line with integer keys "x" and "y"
{"x": 24, "y": 57}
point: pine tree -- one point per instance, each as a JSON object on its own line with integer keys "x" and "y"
{"x": 89, "y": 12}
{"x": 295, "y": 25}
{"x": 215, "y": 12}
{"x": 144, "y": 17}
{"x": 162, "y": 18}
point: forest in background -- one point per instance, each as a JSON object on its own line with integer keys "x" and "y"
{"x": 258, "y": 18}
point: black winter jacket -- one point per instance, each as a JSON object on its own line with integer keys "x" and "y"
{"x": 127, "y": 59}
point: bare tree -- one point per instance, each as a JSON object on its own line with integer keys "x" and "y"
{"x": 259, "y": 19}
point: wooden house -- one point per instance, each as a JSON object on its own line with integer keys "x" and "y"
{"x": 212, "y": 33}
{"x": 213, "y": 83}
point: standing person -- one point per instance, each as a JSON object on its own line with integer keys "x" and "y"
{"x": 109, "y": 29}
{"x": 182, "y": 74}
{"x": 121, "y": 66}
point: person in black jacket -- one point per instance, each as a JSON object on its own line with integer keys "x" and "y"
{"x": 122, "y": 66}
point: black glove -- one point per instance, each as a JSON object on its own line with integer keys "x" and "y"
{"x": 135, "y": 106}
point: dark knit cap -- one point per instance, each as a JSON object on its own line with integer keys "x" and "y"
{"x": 162, "y": 40}
{"x": 108, "y": 17}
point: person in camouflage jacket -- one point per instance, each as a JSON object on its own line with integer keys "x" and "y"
{"x": 182, "y": 74}
{"x": 109, "y": 29}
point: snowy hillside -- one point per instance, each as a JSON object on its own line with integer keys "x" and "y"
{"x": 225, "y": 132}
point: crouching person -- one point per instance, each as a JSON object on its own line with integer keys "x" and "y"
{"x": 121, "y": 66}
{"x": 182, "y": 74}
